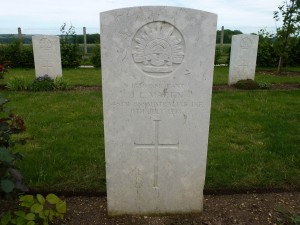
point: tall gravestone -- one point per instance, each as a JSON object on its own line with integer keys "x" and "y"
{"x": 242, "y": 57}
{"x": 47, "y": 58}
{"x": 157, "y": 71}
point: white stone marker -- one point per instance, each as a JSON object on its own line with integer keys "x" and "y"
{"x": 157, "y": 71}
{"x": 242, "y": 57}
{"x": 47, "y": 59}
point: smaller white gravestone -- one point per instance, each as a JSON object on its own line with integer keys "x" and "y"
{"x": 47, "y": 59}
{"x": 242, "y": 57}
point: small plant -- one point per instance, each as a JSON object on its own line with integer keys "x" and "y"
{"x": 247, "y": 84}
{"x": 61, "y": 84}
{"x": 36, "y": 210}
{"x": 44, "y": 83}
{"x": 265, "y": 85}
{"x": 10, "y": 177}
{"x": 288, "y": 217}
{"x": 18, "y": 83}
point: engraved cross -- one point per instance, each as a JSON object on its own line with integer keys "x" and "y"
{"x": 156, "y": 146}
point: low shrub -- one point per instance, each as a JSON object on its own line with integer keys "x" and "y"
{"x": 265, "y": 85}
{"x": 61, "y": 84}
{"x": 44, "y": 83}
{"x": 19, "y": 57}
{"x": 36, "y": 210}
{"x": 247, "y": 84}
{"x": 18, "y": 83}
{"x": 10, "y": 177}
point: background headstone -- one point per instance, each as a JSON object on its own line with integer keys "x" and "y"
{"x": 47, "y": 58}
{"x": 242, "y": 57}
{"x": 157, "y": 72}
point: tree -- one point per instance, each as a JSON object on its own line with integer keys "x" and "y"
{"x": 289, "y": 13}
{"x": 70, "y": 55}
{"x": 266, "y": 55}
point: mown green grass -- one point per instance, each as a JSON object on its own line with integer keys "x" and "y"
{"x": 84, "y": 76}
{"x": 92, "y": 77}
{"x": 262, "y": 76}
{"x": 66, "y": 150}
{"x": 221, "y": 75}
{"x": 254, "y": 140}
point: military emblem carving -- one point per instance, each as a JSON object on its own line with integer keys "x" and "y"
{"x": 246, "y": 43}
{"x": 45, "y": 44}
{"x": 158, "y": 48}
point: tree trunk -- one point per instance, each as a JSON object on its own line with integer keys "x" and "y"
{"x": 279, "y": 68}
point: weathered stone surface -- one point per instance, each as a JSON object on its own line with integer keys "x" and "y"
{"x": 47, "y": 57}
{"x": 157, "y": 72}
{"x": 242, "y": 57}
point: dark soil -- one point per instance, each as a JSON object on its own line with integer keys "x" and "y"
{"x": 248, "y": 209}
{"x": 273, "y": 87}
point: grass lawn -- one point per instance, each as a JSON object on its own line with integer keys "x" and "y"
{"x": 221, "y": 76}
{"x": 84, "y": 77}
{"x": 254, "y": 139}
{"x": 254, "y": 136}
{"x": 66, "y": 150}
{"x": 91, "y": 77}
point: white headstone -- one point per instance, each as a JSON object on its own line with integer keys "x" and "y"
{"x": 157, "y": 71}
{"x": 47, "y": 59}
{"x": 242, "y": 57}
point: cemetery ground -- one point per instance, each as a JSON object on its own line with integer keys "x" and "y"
{"x": 254, "y": 144}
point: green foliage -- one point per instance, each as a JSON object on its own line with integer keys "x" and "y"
{"x": 266, "y": 56}
{"x": 20, "y": 57}
{"x": 90, "y": 38}
{"x": 10, "y": 177}
{"x": 61, "y": 83}
{"x": 18, "y": 83}
{"x": 288, "y": 217}
{"x": 96, "y": 58}
{"x": 44, "y": 83}
{"x": 9, "y": 38}
{"x": 263, "y": 85}
{"x": 69, "y": 47}
{"x": 289, "y": 14}
{"x": 227, "y": 35}
{"x": 218, "y": 55}
{"x": 252, "y": 85}
{"x": 247, "y": 84}
{"x": 36, "y": 210}
{"x": 294, "y": 57}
